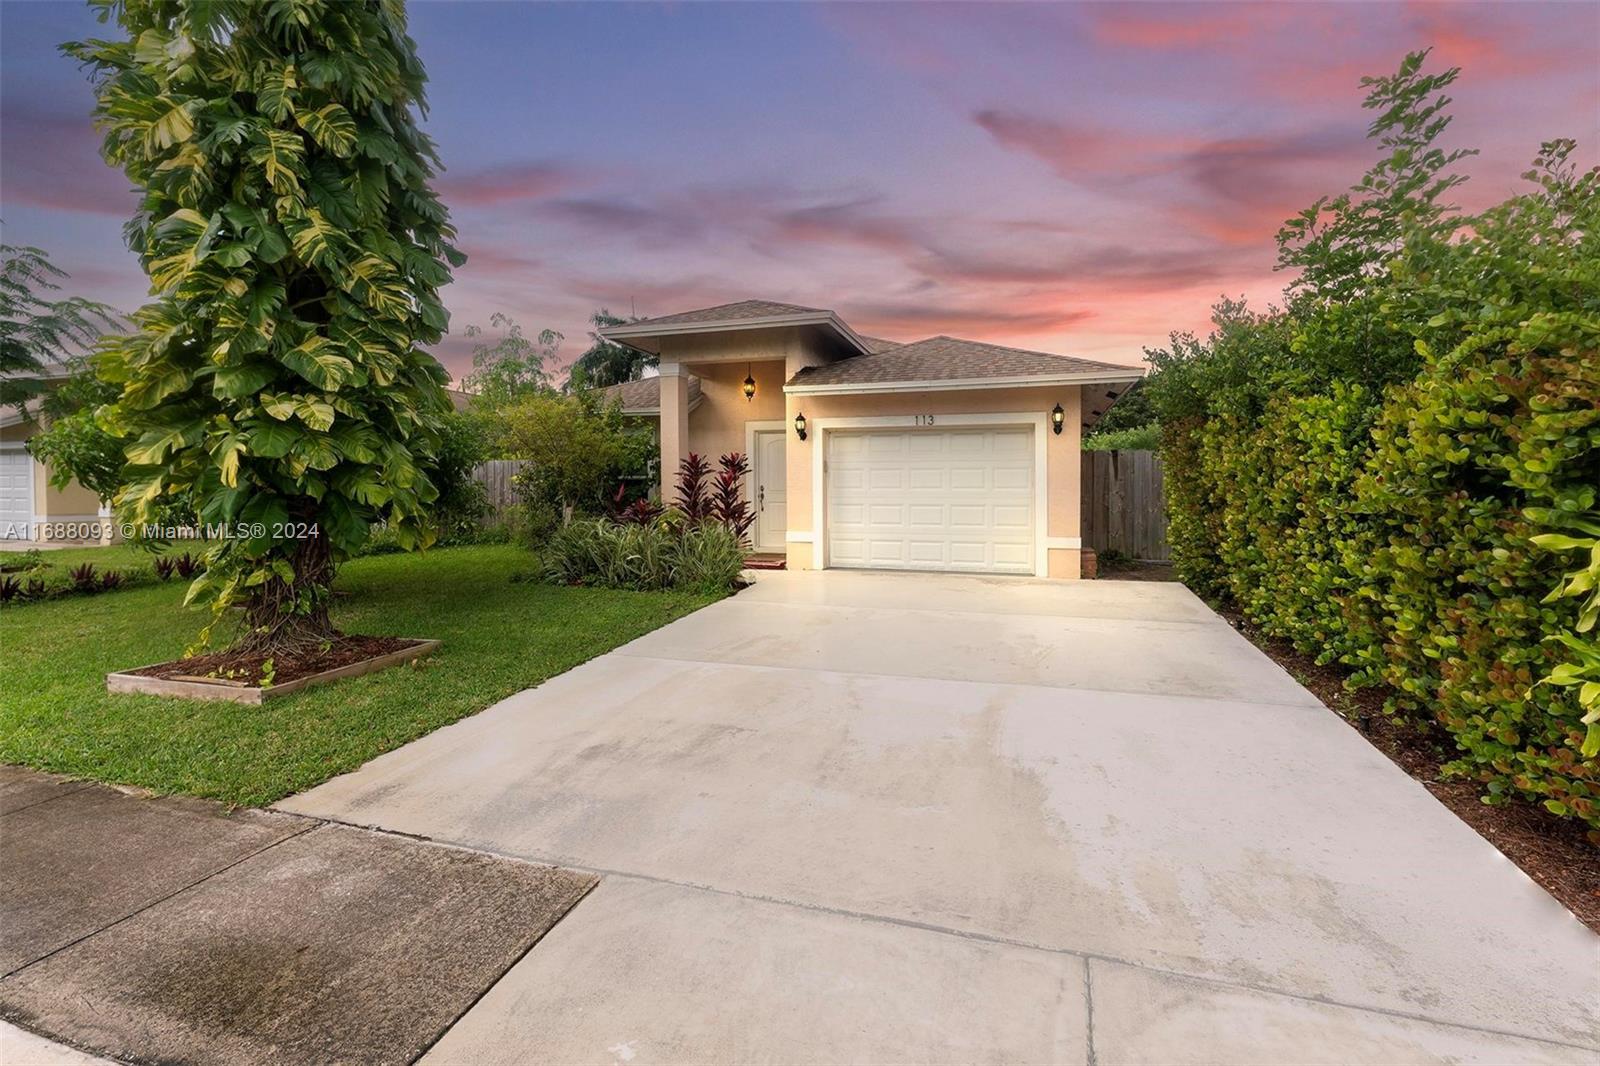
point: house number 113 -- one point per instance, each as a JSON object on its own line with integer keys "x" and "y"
{"x": 924, "y": 420}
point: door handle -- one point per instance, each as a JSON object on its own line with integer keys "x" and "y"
{"x": 761, "y": 497}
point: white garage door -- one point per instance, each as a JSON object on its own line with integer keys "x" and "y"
{"x": 930, "y": 499}
{"x": 16, "y": 493}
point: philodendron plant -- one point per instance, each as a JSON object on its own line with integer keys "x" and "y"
{"x": 275, "y": 384}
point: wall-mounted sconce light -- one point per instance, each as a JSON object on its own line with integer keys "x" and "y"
{"x": 1058, "y": 418}
{"x": 749, "y": 386}
{"x": 800, "y": 425}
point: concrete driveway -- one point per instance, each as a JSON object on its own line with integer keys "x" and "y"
{"x": 851, "y": 816}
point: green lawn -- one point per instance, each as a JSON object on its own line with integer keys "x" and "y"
{"x": 499, "y": 637}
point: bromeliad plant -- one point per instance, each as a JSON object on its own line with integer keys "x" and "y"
{"x": 295, "y": 250}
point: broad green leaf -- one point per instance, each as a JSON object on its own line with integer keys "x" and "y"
{"x": 331, "y": 127}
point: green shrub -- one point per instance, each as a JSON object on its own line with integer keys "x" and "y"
{"x": 655, "y": 555}
{"x": 708, "y": 557}
{"x": 463, "y": 503}
{"x": 1427, "y": 518}
{"x": 598, "y": 551}
{"x": 1135, "y": 438}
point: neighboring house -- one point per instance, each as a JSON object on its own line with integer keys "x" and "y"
{"x": 941, "y": 454}
{"x": 641, "y": 401}
{"x": 31, "y": 511}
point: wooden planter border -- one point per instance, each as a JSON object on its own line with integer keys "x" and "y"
{"x": 201, "y": 690}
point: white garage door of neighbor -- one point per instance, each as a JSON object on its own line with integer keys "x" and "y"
{"x": 929, "y": 499}
{"x": 16, "y": 492}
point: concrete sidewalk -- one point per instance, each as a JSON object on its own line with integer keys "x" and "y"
{"x": 872, "y": 817}
{"x": 167, "y": 930}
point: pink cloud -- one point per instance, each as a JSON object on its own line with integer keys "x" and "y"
{"x": 1075, "y": 150}
{"x": 509, "y": 183}
{"x": 54, "y": 162}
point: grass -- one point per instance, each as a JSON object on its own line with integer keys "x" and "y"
{"x": 499, "y": 637}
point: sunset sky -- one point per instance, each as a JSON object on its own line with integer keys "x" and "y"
{"x": 1076, "y": 178}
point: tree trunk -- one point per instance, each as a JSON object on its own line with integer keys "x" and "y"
{"x": 287, "y": 618}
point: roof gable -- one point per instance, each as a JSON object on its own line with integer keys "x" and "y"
{"x": 735, "y": 312}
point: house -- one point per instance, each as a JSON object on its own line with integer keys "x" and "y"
{"x": 640, "y": 401}
{"x": 940, "y": 454}
{"x": 32, "y": 511}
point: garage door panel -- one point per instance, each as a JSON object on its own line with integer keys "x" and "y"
{"x": 887, "y": 552}
{"x": 1016, "y": 445}
{"x": 931, "y": 499}
{"x": 1013, "y": 478}
{"x": 969, "y": 477}
{"x": 1012, "y": 517}
{"x": 1014, "y": 555}
{"x": 969, "y": 516}
{"x": 886, "y": 478}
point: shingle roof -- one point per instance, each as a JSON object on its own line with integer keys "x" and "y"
{"x": 644, "y": 395}
{"x": 877, "y": 344}
{"x": 733, "y": 312}
{"x": 947, "y": 359}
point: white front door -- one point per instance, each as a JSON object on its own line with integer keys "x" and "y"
{"x": 926, "y": 499}
{"x": 16, "y": 494}
{"x": 770, "y": 475}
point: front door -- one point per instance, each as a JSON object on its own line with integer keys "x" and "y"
{"x": 771, "y": 478}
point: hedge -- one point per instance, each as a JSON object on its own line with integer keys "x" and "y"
{"x": 1399, "y": 471}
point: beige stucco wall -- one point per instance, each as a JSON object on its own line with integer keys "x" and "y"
{"x": 721, "y": 361}
{"x": 1062, "y": 459}
{"x": 717, "y": 424}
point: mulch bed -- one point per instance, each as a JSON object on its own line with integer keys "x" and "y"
{"x": 1136, "y": 570}
{"x": 245, "y": 670}
{"x": 1556, "y": 853}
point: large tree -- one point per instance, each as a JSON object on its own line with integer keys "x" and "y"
{"x": 512, "y": 367}
{"x": 606, "y": 362}
{"x": 295, "y": 251}
{"x": 38, "y": 334}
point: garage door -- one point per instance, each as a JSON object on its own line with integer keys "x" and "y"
{"x": 930, "y": 499}
{"x": 16, "y": 493}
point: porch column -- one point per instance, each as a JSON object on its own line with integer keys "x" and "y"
{"x": 674, "y": 424}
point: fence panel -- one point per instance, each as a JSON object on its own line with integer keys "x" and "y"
{"x": 495, "y": 477}
{"x": 1123, "y": 507}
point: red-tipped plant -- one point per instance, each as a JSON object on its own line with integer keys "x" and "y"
{"x": 728, "y": 504}
{"x": 84, "y": 578}
{"x": 692, "y": 498}
{"x": 639, "y": 513}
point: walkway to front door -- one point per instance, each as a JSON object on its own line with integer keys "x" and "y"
{"x": 853, "y": 816}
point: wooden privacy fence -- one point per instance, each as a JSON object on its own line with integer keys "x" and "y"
{"x": 1123, "y": 506}
{"x": 495, "y": 477}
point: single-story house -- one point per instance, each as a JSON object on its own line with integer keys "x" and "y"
{"x": 32, "y": 511}
{"x": 939, "y": 454}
